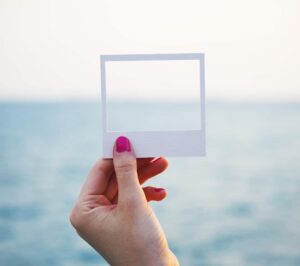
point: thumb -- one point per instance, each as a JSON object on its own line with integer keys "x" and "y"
{"x": 129, "y": 189}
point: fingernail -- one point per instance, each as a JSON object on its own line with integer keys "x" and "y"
{"x": 158, "y": 189}
{"x": 155, "y": 159}
{"x": 122, "y": 144}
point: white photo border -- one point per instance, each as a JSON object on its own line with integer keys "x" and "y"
{"x": 156, "y": 143}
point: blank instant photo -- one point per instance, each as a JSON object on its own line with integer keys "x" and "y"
{"x": 157, "y": 101}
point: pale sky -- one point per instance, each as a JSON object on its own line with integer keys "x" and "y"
{"x": 50, "y": 49}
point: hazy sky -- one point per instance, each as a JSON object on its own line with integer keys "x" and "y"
{"x": 50, "y": 49}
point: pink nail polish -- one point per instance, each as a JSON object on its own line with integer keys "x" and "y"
{"x": 158, "y": 189}
{"x": 123, "y": 144}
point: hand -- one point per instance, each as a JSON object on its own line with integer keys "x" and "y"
{"x": 113, "y": 215}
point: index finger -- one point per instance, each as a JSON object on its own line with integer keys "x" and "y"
{"x": 98, "y": 177}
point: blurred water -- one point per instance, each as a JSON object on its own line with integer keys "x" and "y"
{"x": 237, "y": 206}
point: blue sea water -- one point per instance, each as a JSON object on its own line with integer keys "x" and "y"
{"x": 239, "y": 205}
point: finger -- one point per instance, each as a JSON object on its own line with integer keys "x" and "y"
{"x": 150, "y": 169}
{"x": 153, "y": 193}
{"x": 103, "y": 201}
{"x": 96, "y": 201}
{"x": 141, "y": 162}
{"x": 98, "y": 177}
{"x": 125, "y": 166}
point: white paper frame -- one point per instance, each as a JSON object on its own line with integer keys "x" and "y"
{"x": 156, "y": 143}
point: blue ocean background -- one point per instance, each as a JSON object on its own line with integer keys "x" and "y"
{"x": 239, "y": 205}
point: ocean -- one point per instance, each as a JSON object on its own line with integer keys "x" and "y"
{"x": 239, "y": 205}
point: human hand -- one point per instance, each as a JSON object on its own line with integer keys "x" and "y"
{"x": 112, "y": 213}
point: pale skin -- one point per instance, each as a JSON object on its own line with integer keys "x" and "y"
{"x": 113, "y": 214}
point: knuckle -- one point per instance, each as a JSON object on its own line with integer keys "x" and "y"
{"x": 125, "y": 166}
{"x": 98, "y": 162}
{"x": 99, "y": 166}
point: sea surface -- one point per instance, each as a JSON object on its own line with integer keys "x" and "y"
{"x": 239, "y": 205}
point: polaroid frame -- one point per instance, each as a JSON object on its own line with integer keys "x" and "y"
{"x": 156, "y": 143}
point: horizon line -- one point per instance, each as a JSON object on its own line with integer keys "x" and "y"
{"x": 211, "y": 100}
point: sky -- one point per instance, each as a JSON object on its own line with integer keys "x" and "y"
{"x": 49, "y": 50}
